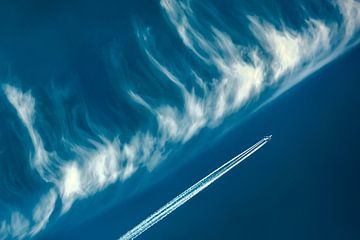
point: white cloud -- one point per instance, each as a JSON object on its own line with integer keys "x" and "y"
{"x": 24, "y": 105}
{"x": 239, "y": 79}
{"x": 294, "y": 54}
{"x": 289, "y": 48}
{"x": 178, "y": 12}
{"x": 43, "y": 211}
{"x": 95, "y": 168}
{"x": 4, "y": 232}
{"x": 350, "y": 10}
{"x": 16, "y": 227}
{"x": 19, "y": 225}
{"x": 92, "y": 170}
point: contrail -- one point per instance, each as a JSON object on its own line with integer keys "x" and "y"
{"x": 192, "y": 191}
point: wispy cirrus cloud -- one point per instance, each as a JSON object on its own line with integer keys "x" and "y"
{"x": 16, "y": 227}
{"x": 24, "y": 103}
{"x": 92, "y": 169}
{"x": 244, "y": 71}
{"x": 42, "y": 212}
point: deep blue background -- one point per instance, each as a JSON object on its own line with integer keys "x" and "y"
{"x": 304, "y": 184}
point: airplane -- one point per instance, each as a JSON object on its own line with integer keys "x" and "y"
{"x": 268, "y": 138}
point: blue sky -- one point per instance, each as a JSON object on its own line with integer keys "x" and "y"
{"x": 104, "y": 101}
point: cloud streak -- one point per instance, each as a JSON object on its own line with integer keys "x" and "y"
{"x": 24, "y": 103}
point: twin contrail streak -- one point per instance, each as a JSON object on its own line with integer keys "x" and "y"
{"x": 192, "y": 191}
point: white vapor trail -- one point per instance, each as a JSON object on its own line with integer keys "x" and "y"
{"x": 192, "y": 191}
